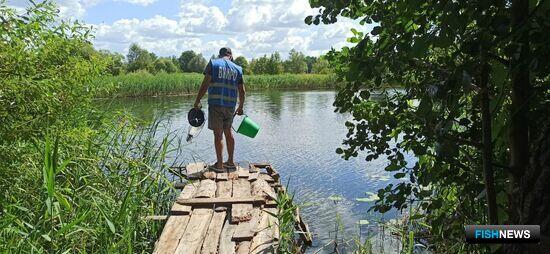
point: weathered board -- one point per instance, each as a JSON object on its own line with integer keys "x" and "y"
{"x": 171, "y": 234}
{"x": 211, "y": 240}
{"x": 191, "y": 241}
{"x": 227, "y": 213}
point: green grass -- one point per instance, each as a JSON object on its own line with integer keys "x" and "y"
{"x": 86, "y": 191}
{"x": 145, "y": 84}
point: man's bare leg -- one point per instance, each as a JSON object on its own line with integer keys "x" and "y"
{"x": 230, "y": 141}
{"x": 218, "y": 144}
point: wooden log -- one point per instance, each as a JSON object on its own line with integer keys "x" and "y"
{"x": 227, "y": 246}
{"x": 220, "y": 201}
{"x": 261, "y": 189}
{"x": 188, "y": 191}
{"x": 224, "y": 189}
{"x": 211, "y": 241}
{"x": 246, "y": 230}
{"x": 305, "y": 235}
{"x": 264, "y": 240}
{"x": 253, "y": 169}
{"x": 207, "y": 189}
{"x": 243, "y": 247}
{"x": 179, "y": 185}
{"x": 171, "y": 234}
{"x": 191, "y": 241}
{"x": 241, "y": 212}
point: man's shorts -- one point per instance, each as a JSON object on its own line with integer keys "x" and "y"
{"x": 220, "y": 117}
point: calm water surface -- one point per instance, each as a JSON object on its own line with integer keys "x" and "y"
{"x": 299, "y": 134}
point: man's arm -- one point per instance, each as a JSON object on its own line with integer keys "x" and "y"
{"x": 242, "y": 95}
{"x": 203, "y": 89}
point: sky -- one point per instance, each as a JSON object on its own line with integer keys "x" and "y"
{"x": 250, "y": 28}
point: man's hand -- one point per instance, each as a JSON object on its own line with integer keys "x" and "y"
{"x": 239, "y": 111}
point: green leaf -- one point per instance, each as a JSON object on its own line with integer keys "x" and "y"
{"x": 399, "y": 175}
{"x": 376, "y": 30}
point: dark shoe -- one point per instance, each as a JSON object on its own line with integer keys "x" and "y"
{"x": 215, "y": 169}
{"x": 229, "y": 166}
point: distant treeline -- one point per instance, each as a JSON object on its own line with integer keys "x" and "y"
{"x": 140, "y": 60}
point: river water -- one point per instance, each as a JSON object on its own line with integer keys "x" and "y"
{"x": 299, "y": 135}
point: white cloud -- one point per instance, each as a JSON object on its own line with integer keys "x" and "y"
{"x": 250, "y": 27}
{"x": 138, "y": 2}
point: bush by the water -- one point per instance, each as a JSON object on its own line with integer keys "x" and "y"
{"x": 72, "y": 180}
{"x": 146, "y": 84}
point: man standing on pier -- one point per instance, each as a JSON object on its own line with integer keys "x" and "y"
{"x": 223, "y": 80}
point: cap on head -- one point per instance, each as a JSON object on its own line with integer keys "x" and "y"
{"x": 225, "y": 51}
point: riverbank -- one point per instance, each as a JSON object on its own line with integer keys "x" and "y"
{"x": 146, "y": 84}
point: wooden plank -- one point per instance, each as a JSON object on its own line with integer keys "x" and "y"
{"x": 188, "y": 191}
{"x": 155, "y": 217}
{"x": 241, "y": 212}
{"x": 191, "y": 241}
{"x": 241, "y": 189}
{"x": 243, "y": 173}
{"x": 243, "y": 247}
{"x": 253, "y": 176}
{"x": 267, "y": 178}
{"x": 246, "y": 230}
{"x": 227, "y": 246}
{"x": 224, "y": 189}
{"x": 303, "y": 228}
{"x": 179, "y": 185}
{"x": 253, "y": 168}
{"x": 207, "y": 189}
{"x": 212, "y": 238}
{"x": 222, "y": 176}
{"x": 220, "y": 201}
{"x": 264, "y": 240}
{"x": 261, "y": 189}
{"x": 171, "y": 234}
{"x": 195, "y": 168}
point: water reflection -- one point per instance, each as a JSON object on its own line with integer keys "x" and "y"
{"x": 299, "y": 134}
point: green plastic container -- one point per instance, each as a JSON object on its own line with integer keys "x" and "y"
{"x": 248, "y": 127}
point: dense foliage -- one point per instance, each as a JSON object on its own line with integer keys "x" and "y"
{"x": 473, "y": 109}
{"x": 71, "y": 179}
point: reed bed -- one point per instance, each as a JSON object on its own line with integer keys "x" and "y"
{"x": 146, "y": 84}
{"x": 86, "y": 191}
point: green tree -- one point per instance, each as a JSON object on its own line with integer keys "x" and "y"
{"x": 184, "y": 60}
{"x": 116, "y": 64}
{"x": 47, "y": 68}
{"x": 140, "y": 59}
{"x": 321, "y": 66}
{"x": 296, "y": 62}
{"x": 469, "y": 76}
{"x": 274, "y": 64}
{"x": 259, "y": 65}
{"x": 241, "y": 61}
{"x": 310, "y": 60}
{"x": 197, "y": 64}
{"x": 165, "y": 65}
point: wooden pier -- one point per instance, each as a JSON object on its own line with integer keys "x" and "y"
{"x": 230, "y": 212}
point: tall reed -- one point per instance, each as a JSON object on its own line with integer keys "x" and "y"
{"x": 145, "y": 84}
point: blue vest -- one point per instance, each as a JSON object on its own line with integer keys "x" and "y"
{"x": 223, "y": 90}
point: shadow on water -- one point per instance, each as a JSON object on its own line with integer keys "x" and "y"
{"x": 299, "y": 134}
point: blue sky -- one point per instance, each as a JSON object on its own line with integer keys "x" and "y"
{"x": 167, "y": 27}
